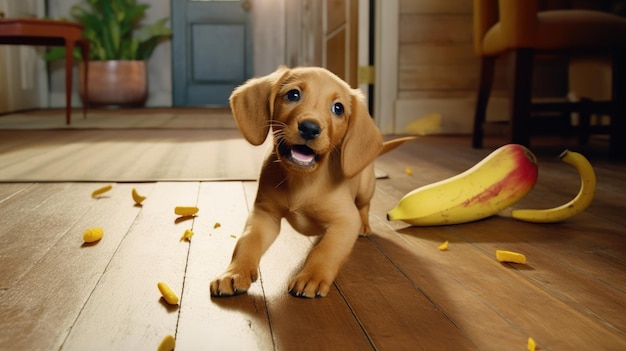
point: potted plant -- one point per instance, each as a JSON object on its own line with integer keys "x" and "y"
{"x": 119, "y": 48}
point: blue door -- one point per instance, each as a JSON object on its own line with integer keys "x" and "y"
{"x": 211, "y": 50}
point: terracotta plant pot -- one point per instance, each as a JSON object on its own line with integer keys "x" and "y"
{"x": 115, "y": 83}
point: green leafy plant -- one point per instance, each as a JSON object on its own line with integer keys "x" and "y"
{"x": 114, "y": 31}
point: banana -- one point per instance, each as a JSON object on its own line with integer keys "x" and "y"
{"x": 574, "y": 206}
{"x": 137, "y": 198}
{"x": 495, "y": 183}
{"x": 101, "y": 191}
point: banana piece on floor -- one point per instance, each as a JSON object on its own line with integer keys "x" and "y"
{"x": 579, "y": 203}
{"x": 137, "y": 198}
{"x": 185, "y": 210}
{"x": 492, "y": 185}
{"x": 510, "y": 256}
{"x": 101, "y": 190}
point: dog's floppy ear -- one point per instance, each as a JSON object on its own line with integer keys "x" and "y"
{"x": 362, "y": 142}
{"x": 252, "y": 105}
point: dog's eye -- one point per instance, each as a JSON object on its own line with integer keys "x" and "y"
{"x": 293, "y": 95}
{"x": 337, "y": 108}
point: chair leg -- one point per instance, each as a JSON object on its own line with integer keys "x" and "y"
{"x": 617, "y": 142}
{"x": 487, "y": 66}
{"x": 521, "y": 95}
{"x": 584, "y": 121}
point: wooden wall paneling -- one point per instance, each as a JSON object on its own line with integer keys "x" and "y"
{"x": 336, "y": 53}
{"x": 336, "y": 14}
{"x": 353, "y": 47}
{"x": 440, "y": 29}
{"x": 433, "y": 54}
{"x": 436, "y": 6}
{"x": 341, "y": 39}
{"x": 437, "y": 78}
{"x": 436, "y": 57}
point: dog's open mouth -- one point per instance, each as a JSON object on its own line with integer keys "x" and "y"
{"x": 300, "y": 155}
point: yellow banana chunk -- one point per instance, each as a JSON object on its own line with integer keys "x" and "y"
{"x": 137, "y": 198}
{"x": 576, "y": 205}
{"x": 167, "y": 344}
{"x": 167, "y": 293}
{"x": 185, "y": 210}
{"x": 93, "y": 234}
{"x": 532, "y": 345}
{"x": 444, "y": 246}
{"x": 101, "y": 191}
{"x": 495, "y": 183}
{"x": 187, "y": 235}
{"x": 510, "y": 256}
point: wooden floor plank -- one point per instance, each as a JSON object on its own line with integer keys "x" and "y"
{"x": 593, "y": 284}
{"x": 9, "y": 190}
{"x": 39, "y": 311}
{"x": 299, "y": 323}
{"x": 397, "y": 291}
{"x": 31, "y": 224}
{"x": 418, "y": 260}
{"x": 133, "y": 155}
{"x": 125, "y": 310}
{"x": 394, "y": 312}
{"x": 527, "y": 306}
{"x": 234, "y": 323}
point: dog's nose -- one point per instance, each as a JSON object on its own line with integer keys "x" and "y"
{"x": 309, "y": 130}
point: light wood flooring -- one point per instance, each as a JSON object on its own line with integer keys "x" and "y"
{"x": 396, "y": 292}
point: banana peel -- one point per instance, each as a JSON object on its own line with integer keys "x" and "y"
{"x": 579, "y": 203}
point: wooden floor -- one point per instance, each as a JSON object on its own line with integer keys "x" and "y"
{"x": 397, "y": 291}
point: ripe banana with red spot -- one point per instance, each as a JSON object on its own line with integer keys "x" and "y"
{"x": 492, "y": 185}
{"x": 573, "y": 207}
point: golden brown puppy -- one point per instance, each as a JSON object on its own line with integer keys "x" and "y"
{"x": 319, "y": 175}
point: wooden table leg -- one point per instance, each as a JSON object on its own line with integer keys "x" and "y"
{"x": 84, "y": 45}
{"x": 69, "y": 66}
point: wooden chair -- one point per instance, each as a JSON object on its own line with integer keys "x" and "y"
{"x": 518, "y": 28}
{"x": 21, "y": 31}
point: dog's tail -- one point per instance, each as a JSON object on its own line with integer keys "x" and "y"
{"x": 394, "y": 143}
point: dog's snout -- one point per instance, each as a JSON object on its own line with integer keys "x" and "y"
{"x": 309, "y": 130}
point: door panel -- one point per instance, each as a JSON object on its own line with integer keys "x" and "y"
{"x": 212, "y": 50}
{"x": 218, "y": 38}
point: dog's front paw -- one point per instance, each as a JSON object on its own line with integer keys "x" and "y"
{"x": 233, "y": 282}
{"x": 310, "y": 284}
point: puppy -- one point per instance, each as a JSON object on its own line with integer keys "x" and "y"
{"x": 319, "y": 175}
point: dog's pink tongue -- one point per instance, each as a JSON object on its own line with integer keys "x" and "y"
{"x": 301, "y": 157}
